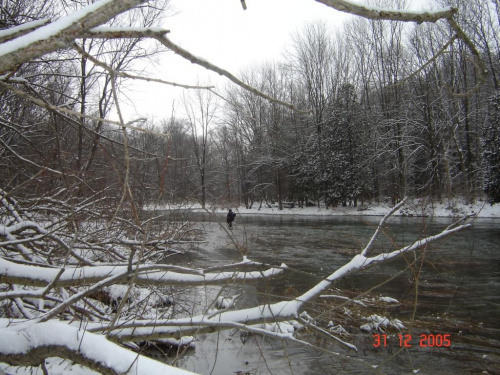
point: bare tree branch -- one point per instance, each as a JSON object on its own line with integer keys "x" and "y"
{"x": 60, "y": 33}
{"x": 378, "y": 13}
{"x": 13, "y": 273}
{"x": 207, "y": 65}
{"x": 80, "y": 346}
{"x": 281, "y": 311}
{"x": 52, "y": 107}
{"x": 448, "y": 13}
{"x": 15, "y": 32}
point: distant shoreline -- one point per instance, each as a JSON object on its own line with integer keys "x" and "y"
{"x": 453, "y": 210}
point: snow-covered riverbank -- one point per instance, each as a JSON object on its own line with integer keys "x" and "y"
{"x": 449, "y": 209}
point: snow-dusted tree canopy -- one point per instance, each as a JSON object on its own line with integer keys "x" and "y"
{"x": 84, "y": 270}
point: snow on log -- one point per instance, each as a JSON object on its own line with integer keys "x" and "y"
{"x": 60, "y": 33}
{"x": 17, "y": 31}
{"x": 31, "y": 345}
{"x": 378, "y": 13}
{"x": 29, "y": 275}
{"x": 140, "y": 330}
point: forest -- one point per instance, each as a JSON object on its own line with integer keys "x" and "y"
{"x": 376, "y": 111}
{"x": 390, "y": 105}
{"x": 386, "y": 110}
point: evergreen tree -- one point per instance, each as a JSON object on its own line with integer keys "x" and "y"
{"x": 334, "y": 166}
{"x": 345, "y": 149}
{"x": 491, "y": 153}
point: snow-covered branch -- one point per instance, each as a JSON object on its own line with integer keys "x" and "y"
{"x": 77, "y": 256}
{"x": 60, "y": 33}
{"x": 29, "y": 275}
{"x": 380, "y": 227}
{"x": 140, "y": 330}
{"x": 31, "y": 345}
{"x": 359, "y": 262}
{"x": 136, "y": 329}
{"x": 17, "y": 31}
{"x": 379, "y": 13}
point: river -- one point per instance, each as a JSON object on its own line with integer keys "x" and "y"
{"x": 458, "y": 295}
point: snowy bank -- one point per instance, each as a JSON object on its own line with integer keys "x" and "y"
{"x": 412, "y": 209}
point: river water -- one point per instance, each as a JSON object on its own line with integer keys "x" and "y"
{"x": 458, "y": 295}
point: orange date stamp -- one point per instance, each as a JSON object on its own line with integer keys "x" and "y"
{"x": 407, "y": 341}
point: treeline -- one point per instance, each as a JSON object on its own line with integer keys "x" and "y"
{"x": 383, "y": 110}
{"x": 387, "y": 110}
{"x": 56, "y": 148}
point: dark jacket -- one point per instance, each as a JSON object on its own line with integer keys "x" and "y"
{"x": 230, "y": 216}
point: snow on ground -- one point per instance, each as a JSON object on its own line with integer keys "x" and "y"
{"x": 452, "y": 208}
{"x": 19, "y": 340}
{"x": 381, "y": 323}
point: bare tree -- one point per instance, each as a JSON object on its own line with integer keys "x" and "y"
{"x": 201, "y": 114}
{"x": 84, "y": 279}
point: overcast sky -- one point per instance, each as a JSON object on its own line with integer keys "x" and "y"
{"x": 223, "y": 33}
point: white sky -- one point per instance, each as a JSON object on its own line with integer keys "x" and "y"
{"x": 223, "y": 33}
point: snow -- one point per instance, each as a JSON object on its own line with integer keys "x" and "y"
{"x": 44, "y": 275}
{"x": 280, "y": 327}
{"x": 116, "y": 292}
{"x": 225, "y": 302}
{"x": 23, "y": 27}
{"x": 45, "y": 32}
{"x": 108, "y": 29}
{"x": 211, "y": 277}
{"x": 54, "y": 365}
{"x": 13, "y": 79}
{"x": 338, "y": 329}
{"x": 388, "y": 300}
{"x": 270, "y": 312}
{"x": 377, "y": 9}
{"x": 381, "y": 323}
{"x": 452, "y": 208}
{"x": 357, "y": 262}
{"x": 306, "y": 317}
{"x": 186, "y": 341}
{"x": 17, "y": 341}
{"x": 342, "y": 298}
{"x": 27, "y": 337}
{"x": 285, "y": 310}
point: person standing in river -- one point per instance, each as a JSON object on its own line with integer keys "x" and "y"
{"x": 230, "y": 218}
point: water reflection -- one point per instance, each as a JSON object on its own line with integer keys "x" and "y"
{"x": 458, "y": 277}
